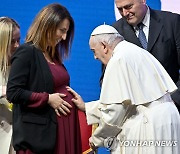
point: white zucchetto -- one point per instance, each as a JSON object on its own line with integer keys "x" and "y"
{"x": 104, "y": 29}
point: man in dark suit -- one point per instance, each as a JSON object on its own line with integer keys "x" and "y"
{"x": 162, "y": 31}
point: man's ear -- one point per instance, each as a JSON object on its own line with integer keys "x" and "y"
{"x": 105, "y": 46}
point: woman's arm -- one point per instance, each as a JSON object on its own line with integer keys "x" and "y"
{"x": 19, "y": 74}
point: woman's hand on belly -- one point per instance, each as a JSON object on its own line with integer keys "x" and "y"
{"x": 60, "y": 106}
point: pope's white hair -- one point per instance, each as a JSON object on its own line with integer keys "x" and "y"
{"x": 110, "y": 39}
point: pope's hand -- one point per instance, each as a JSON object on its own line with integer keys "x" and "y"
{"x": 78, "y": 101}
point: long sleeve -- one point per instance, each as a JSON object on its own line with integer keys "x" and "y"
{"x": 29, "y": 73}
{"x": 108, "y": 117}
{"x": 38, "y": 100}
{"x": 92, "y": 112}
{"x": 176, "y": 95}
{"x": 18, "y": 78}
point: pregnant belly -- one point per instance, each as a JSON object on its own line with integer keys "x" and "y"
{"x": 68, "y": 96}
{"x": 68, "y": 99}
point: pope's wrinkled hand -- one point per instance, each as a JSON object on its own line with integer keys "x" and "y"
{"x": 78, "y": 101}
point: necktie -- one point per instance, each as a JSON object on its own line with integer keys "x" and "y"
{"x": 141, "y": 36}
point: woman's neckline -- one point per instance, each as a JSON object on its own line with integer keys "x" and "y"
{"x": 47, "y": 59}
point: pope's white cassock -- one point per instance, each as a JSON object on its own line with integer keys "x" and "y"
{"x": 135, "y": 113}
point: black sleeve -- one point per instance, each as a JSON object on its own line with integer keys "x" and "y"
{"x": 19, "y": 74}
{"x": 176, "y": 95}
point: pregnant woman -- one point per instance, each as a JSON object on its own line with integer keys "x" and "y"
{"x": 45, "y": 121}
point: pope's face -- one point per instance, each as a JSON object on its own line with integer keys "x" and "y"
{"x": 99, "y": 50}
{"x": 132, "y": 10}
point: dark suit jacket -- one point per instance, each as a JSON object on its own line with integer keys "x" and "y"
{"x": 33, "y": 128}
{"x": 163, "y": 41}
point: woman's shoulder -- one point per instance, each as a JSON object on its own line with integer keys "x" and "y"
{"x": 24, "y": 51}
{"x": 25, "y": 46}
